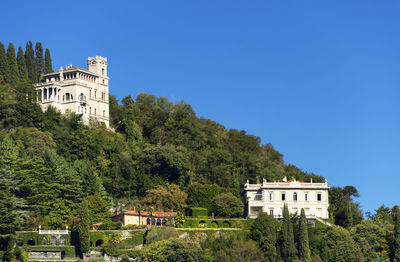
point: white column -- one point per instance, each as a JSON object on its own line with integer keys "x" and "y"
{"x": 264, "y": 200}
{"x": 42, "y": 94}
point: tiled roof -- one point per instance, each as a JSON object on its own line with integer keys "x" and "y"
{"x": 154, "y": 214}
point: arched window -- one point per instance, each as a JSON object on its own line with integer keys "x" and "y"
{"x": 67, "y": 96}
{"x": 158, "y": 222}
{"x": 102, "y": 71}
{"x": 153, "y": 221}
{"x": 164, "y": 221}
{"x": 53, "y": 241}
{"x": 294, "y": 196}
{"x": 148, "y": 221}
{"x": 62, "y": 241}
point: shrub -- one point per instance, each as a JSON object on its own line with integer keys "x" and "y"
{"x": 198, "y": 212}
{"x": 111, "y": 226}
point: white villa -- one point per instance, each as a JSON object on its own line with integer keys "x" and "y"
{"x": 81, "y": 91}
{"x": 270, "y": 197}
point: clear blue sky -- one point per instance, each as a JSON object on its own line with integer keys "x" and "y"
{"x": 319, "y": 80}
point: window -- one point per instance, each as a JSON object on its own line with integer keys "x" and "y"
{"x": 319, "y": 197}
{"x": 90, "y": 110}
{"x": 103, "y": 81}
{"x": 95, "y": 111}
{"x": 90, "y": 93}
{"x": 294, "y": 196}
{"x": 67, "y": 96}
{"x": 102, "y": 71}
{"x": 271, "y": 196}
{"x": 306, "y": 196}
{"x": 95, "y": 93}
{"x": 283, "y": 197}
{"x": 104, "y": 113}
{"x": 271, "y": 212}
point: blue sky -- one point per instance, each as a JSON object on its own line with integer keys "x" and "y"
{"x": 317, "y": 79}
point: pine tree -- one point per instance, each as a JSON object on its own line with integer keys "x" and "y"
{"x": 289, "y": 248}
{"x": 4, "y": 68}
{"x": 84, "y": 227}
{"x": 12, "y": 64}
{"x": 8, "y": 223}
{"x": 30, "y": 62}
{"x": 39, "y": 61}
{"x": 22, "y": 72}
{"x": 48, "y": 67}
{"x": 304, "y": 248}
{"x": 8, "y": 153}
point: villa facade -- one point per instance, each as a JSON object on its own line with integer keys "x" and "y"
{"x": 270, "y": 197}
{"x": 78, "y": 90}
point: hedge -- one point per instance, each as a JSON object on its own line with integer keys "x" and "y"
{"x": 69, "y": 251}
{"x": 198, "y": 212}
{"x": 22, "y": 238}
{"x": 217, "y": 223}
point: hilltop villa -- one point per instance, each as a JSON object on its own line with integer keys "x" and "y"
{"x": 270, "y": 197}
{"x": 81, "y": 91}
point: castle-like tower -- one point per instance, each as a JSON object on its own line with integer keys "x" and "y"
{"x": 81, "y": 91}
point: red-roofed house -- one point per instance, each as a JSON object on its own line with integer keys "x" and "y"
{"x": 132, "y": 217}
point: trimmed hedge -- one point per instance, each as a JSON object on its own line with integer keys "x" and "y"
{"x": 217, "y": 223}
{"x": 69, "y": 251}
{"x": 198, "y": 212}
{"x": 22, "y": 238}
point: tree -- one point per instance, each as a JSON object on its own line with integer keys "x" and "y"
{"x": 227, "y": 205}
{"x": 30, "y": 63}
{"x": 375, "y": 235}
{"x": 201, "y": 195}
{"x": 12, "y": 64}
{"x": 84, "y": 227}
{"x": 304, "y": 248}
{"x": 39, "y": 61}
{"x": 172, "y": 250}
{"x": 8, "y": 153}
{"x": 99, "y": 209}
{"x": 22, "y": 72}
{"x": 340, "y": 246}
{"x": 263, "y": 231}
{"x": 396, "y": 233}
{"x": 165, "y": 198}
{"x": 289, "y": 248}
{"x": 8, "y": 217}
{"x": 4, "y": 68}
{"x": 59, "y": 214}
{"x": 48, "y": 67}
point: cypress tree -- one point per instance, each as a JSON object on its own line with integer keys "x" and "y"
{"x": 304, "y": 248}
{"x": 84, "y": 227}
{"x": 23, "y": 73}
{"x": 48, "y": 67}
{"x": 39, "y": 61}
{"x": 396, "y": 233}
{"x": 4, "y": 68}
{"x": 12, "y": 64}
{"x": 30, "y": 62}
{"x": 289, "y": 248}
